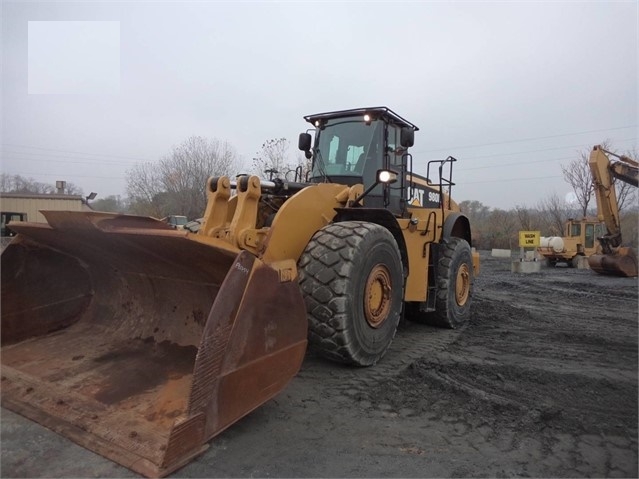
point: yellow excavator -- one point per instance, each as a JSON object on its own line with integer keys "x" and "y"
{"x": 141, "y": 342}
{"x": 614, "y": 259}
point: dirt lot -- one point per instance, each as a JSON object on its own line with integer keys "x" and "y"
{"x": 543, "y": 382}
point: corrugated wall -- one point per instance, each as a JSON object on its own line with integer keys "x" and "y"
{"x": 32, "y": 206}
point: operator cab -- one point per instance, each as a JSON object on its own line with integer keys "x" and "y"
{"x": 352, "y": 146}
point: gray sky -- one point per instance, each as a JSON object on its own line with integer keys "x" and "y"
{"x": 511, "y": 89}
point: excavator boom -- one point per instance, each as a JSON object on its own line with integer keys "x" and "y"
{"x": 615, "y": 259}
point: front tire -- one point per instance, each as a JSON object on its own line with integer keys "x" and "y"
{"x": 351, "y": 277}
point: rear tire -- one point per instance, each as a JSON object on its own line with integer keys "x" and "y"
{"x": 351, "y": 277}
{"x": 454, "y": 291}
{"x": 551, "y": 263}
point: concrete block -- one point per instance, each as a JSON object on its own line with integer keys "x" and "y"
{"x": 525, "y": 267}
{"x": 500, "y": 253}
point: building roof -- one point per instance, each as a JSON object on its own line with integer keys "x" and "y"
{"x": 41, "y": 196}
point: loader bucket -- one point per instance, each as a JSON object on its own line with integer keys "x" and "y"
{"x": 623, "y": 262}
{"x": 140, "y": 342}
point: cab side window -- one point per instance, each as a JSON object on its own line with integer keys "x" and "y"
{"x": 575, "y": 230}
{"x": 393, "y": 144}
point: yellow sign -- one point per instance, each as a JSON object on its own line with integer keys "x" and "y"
{"x": 529, "y": 239}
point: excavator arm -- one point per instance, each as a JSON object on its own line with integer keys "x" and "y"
{"x": 626, "y": 170}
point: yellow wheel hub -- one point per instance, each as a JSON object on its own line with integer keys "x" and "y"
{"x": 462, "y": 285}
{"x": 377, "y": 296}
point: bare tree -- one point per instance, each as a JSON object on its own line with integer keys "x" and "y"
{"x": 527, "y": 218}
{"x": 143, "y": 184}
{"x": 626, "y": 193}
{"x": 478, "y": 215}
{"x": 113, "y": 204}
{"x": 72, "y": 189}
{"x": 272, "y": 159}
{"x": 502, "y": 226}
{"x": 177, "y": 183}
{"x": 630, "y": 227}
{"x": 554, "y": 214}
{"x": 577, "y": 174}
{"x": 475, "y": 210}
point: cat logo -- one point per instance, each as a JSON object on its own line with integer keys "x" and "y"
{"x": 424, "y": 197}
{"x": 418, "y": 197}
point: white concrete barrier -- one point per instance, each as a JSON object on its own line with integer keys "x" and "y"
{"x": 525, "y": 267}
{"x": 500, "y": 253}
{"x": 531, "y": 256}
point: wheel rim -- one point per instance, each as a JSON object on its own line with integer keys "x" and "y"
{"x": 462, "y": 285}
{"x": 377, "y": 296}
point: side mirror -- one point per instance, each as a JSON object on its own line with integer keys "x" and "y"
{"x": 407, "y": 137}
{"x": 304, "y": 142}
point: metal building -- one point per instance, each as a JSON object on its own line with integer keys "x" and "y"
{"x": 27, "y": 207}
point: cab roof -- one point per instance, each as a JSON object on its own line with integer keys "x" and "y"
{"x": 375, "y": 112}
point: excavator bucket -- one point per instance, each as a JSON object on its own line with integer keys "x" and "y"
{"x": 138, "y": 341}
{"x": 623, "y": 262}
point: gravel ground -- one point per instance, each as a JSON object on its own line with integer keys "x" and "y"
{"x": 541, "y": 383}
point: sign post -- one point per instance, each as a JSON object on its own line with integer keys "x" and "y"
{"x": 528, "y": 239}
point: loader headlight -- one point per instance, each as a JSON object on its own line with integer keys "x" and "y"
{"x": 386, "y": 176}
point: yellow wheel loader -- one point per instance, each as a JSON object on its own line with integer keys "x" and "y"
{"x": 142, "y": 342}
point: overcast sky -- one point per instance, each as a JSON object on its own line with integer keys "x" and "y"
{"x": 513, "y": 90}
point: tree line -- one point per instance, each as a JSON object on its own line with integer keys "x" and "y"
{"x": 175, "y": 185}
{"x": 20, "y": 184}
{"x": 498, "y": 228}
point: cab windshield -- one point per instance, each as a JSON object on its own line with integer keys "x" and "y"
{"x": 344, "y": 146}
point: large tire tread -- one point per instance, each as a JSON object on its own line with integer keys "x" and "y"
{"x": 447, "y": 314}
{"x": 327, "y": 269}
